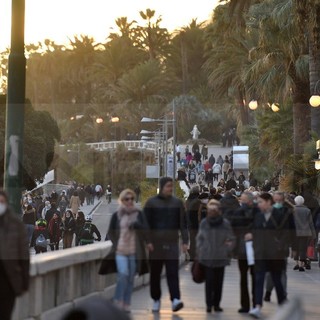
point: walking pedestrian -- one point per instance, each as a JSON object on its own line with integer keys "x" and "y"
{"x": 204, "y": 152}
{"x": 29, "y": 219}
{"x": 212, "y": 160}
{"x": 192, "y": 205}
{"x": 40, "y": 237}
{"x": 128, "y": 233}
{"x": 14, "y": 258}
{"x": 242, "y": 223}
{"x": 68, "y": 226}
{"x": 225, "y": 169}
{"x": 89, "y": 233}
{"x": 270, "y": 243}
{"x": 178, "y": 153}
{"x": 305, "y": 231}
{"x": 215, "y": 242}
{"x": 75, "y": 203}
{"x": 54, "y": 232}
{"x": 80, "y": 221}
{"x": 216, "y": 169}
{"x": 166, "y": 217}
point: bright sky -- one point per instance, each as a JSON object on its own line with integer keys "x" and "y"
{"x": 60, "y": 19}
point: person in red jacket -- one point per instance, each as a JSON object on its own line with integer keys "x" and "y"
{"x": 55, "y": 232}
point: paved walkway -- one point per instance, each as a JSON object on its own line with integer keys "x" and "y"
{"x": 304, "y": 284}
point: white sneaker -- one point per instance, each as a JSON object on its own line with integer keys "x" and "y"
{"x": 255, "y": 313}
{"x": 156, "y": 306}
{"x": 177, "y": 305}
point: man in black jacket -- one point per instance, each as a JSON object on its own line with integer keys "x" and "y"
{"x": 166, "y": 217}
{"x": 242, "y": 223}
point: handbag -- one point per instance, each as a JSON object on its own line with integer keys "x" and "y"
{"x": 198, "y": 272}
{"x": 310, "y": 250}
{"x": 108, "y": 264}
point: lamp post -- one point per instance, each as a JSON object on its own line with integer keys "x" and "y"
{"x": 317, "y": 161}
{"x": 15, "y": 108}
{"x": 174, "y": 133}
{"x": 115, "y": 120}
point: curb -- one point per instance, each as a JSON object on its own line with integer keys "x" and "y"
{"x": 95, "y": 207}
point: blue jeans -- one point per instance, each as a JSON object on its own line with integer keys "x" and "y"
{"x": 126, "y": 266}
{"x": 276, "y": 278}
{"x": 30, "y": 229}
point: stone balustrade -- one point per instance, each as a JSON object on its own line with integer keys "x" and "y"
{"x": 60, "y": 280}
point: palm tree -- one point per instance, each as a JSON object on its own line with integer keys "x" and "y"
{"x": 227, "y": 57}
{"x": 152, "y": 37}
{"x": 186, "y": 56}
{"x": 278, "y": 67}
{"x": 308, "y": 14}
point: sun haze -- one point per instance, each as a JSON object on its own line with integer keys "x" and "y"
{"x": 60, "y": 19}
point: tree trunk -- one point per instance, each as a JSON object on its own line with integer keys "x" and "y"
{"x": 244, "y": 110}
{"x": 184, "y": 64}
{"x": 301, "y": 125}
{"x": 314, "y": 70}
{"x": 301, "y": 112}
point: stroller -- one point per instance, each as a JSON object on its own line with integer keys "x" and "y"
{"x": 192, "y": 176}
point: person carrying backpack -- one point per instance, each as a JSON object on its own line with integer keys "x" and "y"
{"x": 40, "y": 237}
{"x": 88, "y": 231}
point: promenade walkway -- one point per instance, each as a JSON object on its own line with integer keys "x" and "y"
{"x": 306, "y": 285}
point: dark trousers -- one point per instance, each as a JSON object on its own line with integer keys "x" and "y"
{"x": 244, "y": 291}
{"x": 7, "y": 298}
{"x": 213, "y": 287}
{"x": 192, "y": 250}
{"x": 39, "y": 249}
{"x": 276, "y": 278}
{"x": 167, "y": 255}
{"x": 54, "y": 246}
{"x": 6, "y": 306}
{"x": 302, "y": 246}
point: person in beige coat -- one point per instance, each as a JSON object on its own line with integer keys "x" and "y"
{"x": 75, "y": 204}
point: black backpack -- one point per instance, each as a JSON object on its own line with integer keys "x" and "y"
{"x": 86, "y": 233}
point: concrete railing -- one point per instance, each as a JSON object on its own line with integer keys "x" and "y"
{"x": 129, "y": 144}
{"x": 61, "y": 280}
{"x": 293, "y": 310}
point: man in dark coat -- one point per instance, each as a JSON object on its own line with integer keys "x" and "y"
{"x": 229, "y": 204}
{"x": 166, "y": 217}
{"x": 242, "y": 223}
{"x": 14, "y": 258}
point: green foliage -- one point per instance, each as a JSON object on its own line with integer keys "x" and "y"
{"x": 40, "y": 134}
{"x": 269, "y": 141}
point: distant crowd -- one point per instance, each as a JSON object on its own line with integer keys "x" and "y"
{"x": 50, "y": 218}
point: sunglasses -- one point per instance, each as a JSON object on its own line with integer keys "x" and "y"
{"x": 128, "y": 199}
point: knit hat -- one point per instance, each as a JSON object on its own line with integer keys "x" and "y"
{"x": 163, "y": 181}
{"x": 299, "y": 200}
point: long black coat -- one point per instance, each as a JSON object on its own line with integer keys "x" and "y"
{"x": 141, "y": 227}
{"x": 14, "y": 252}
{"x": 272, "y": 239}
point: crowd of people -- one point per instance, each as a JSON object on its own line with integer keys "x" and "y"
{"x": 50, "y": 218}
{"x": 259, "y": 229}
{"x": 214, "y": 228}
{"x": 197, "y": 168}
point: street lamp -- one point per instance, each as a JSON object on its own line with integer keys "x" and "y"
{"x": 253, "y": 104}
{"x": 115, "y": 119}
{"x": 315, "y": 98}
{"x": 99, "y": 120}
{"x": 275, "y": 107}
